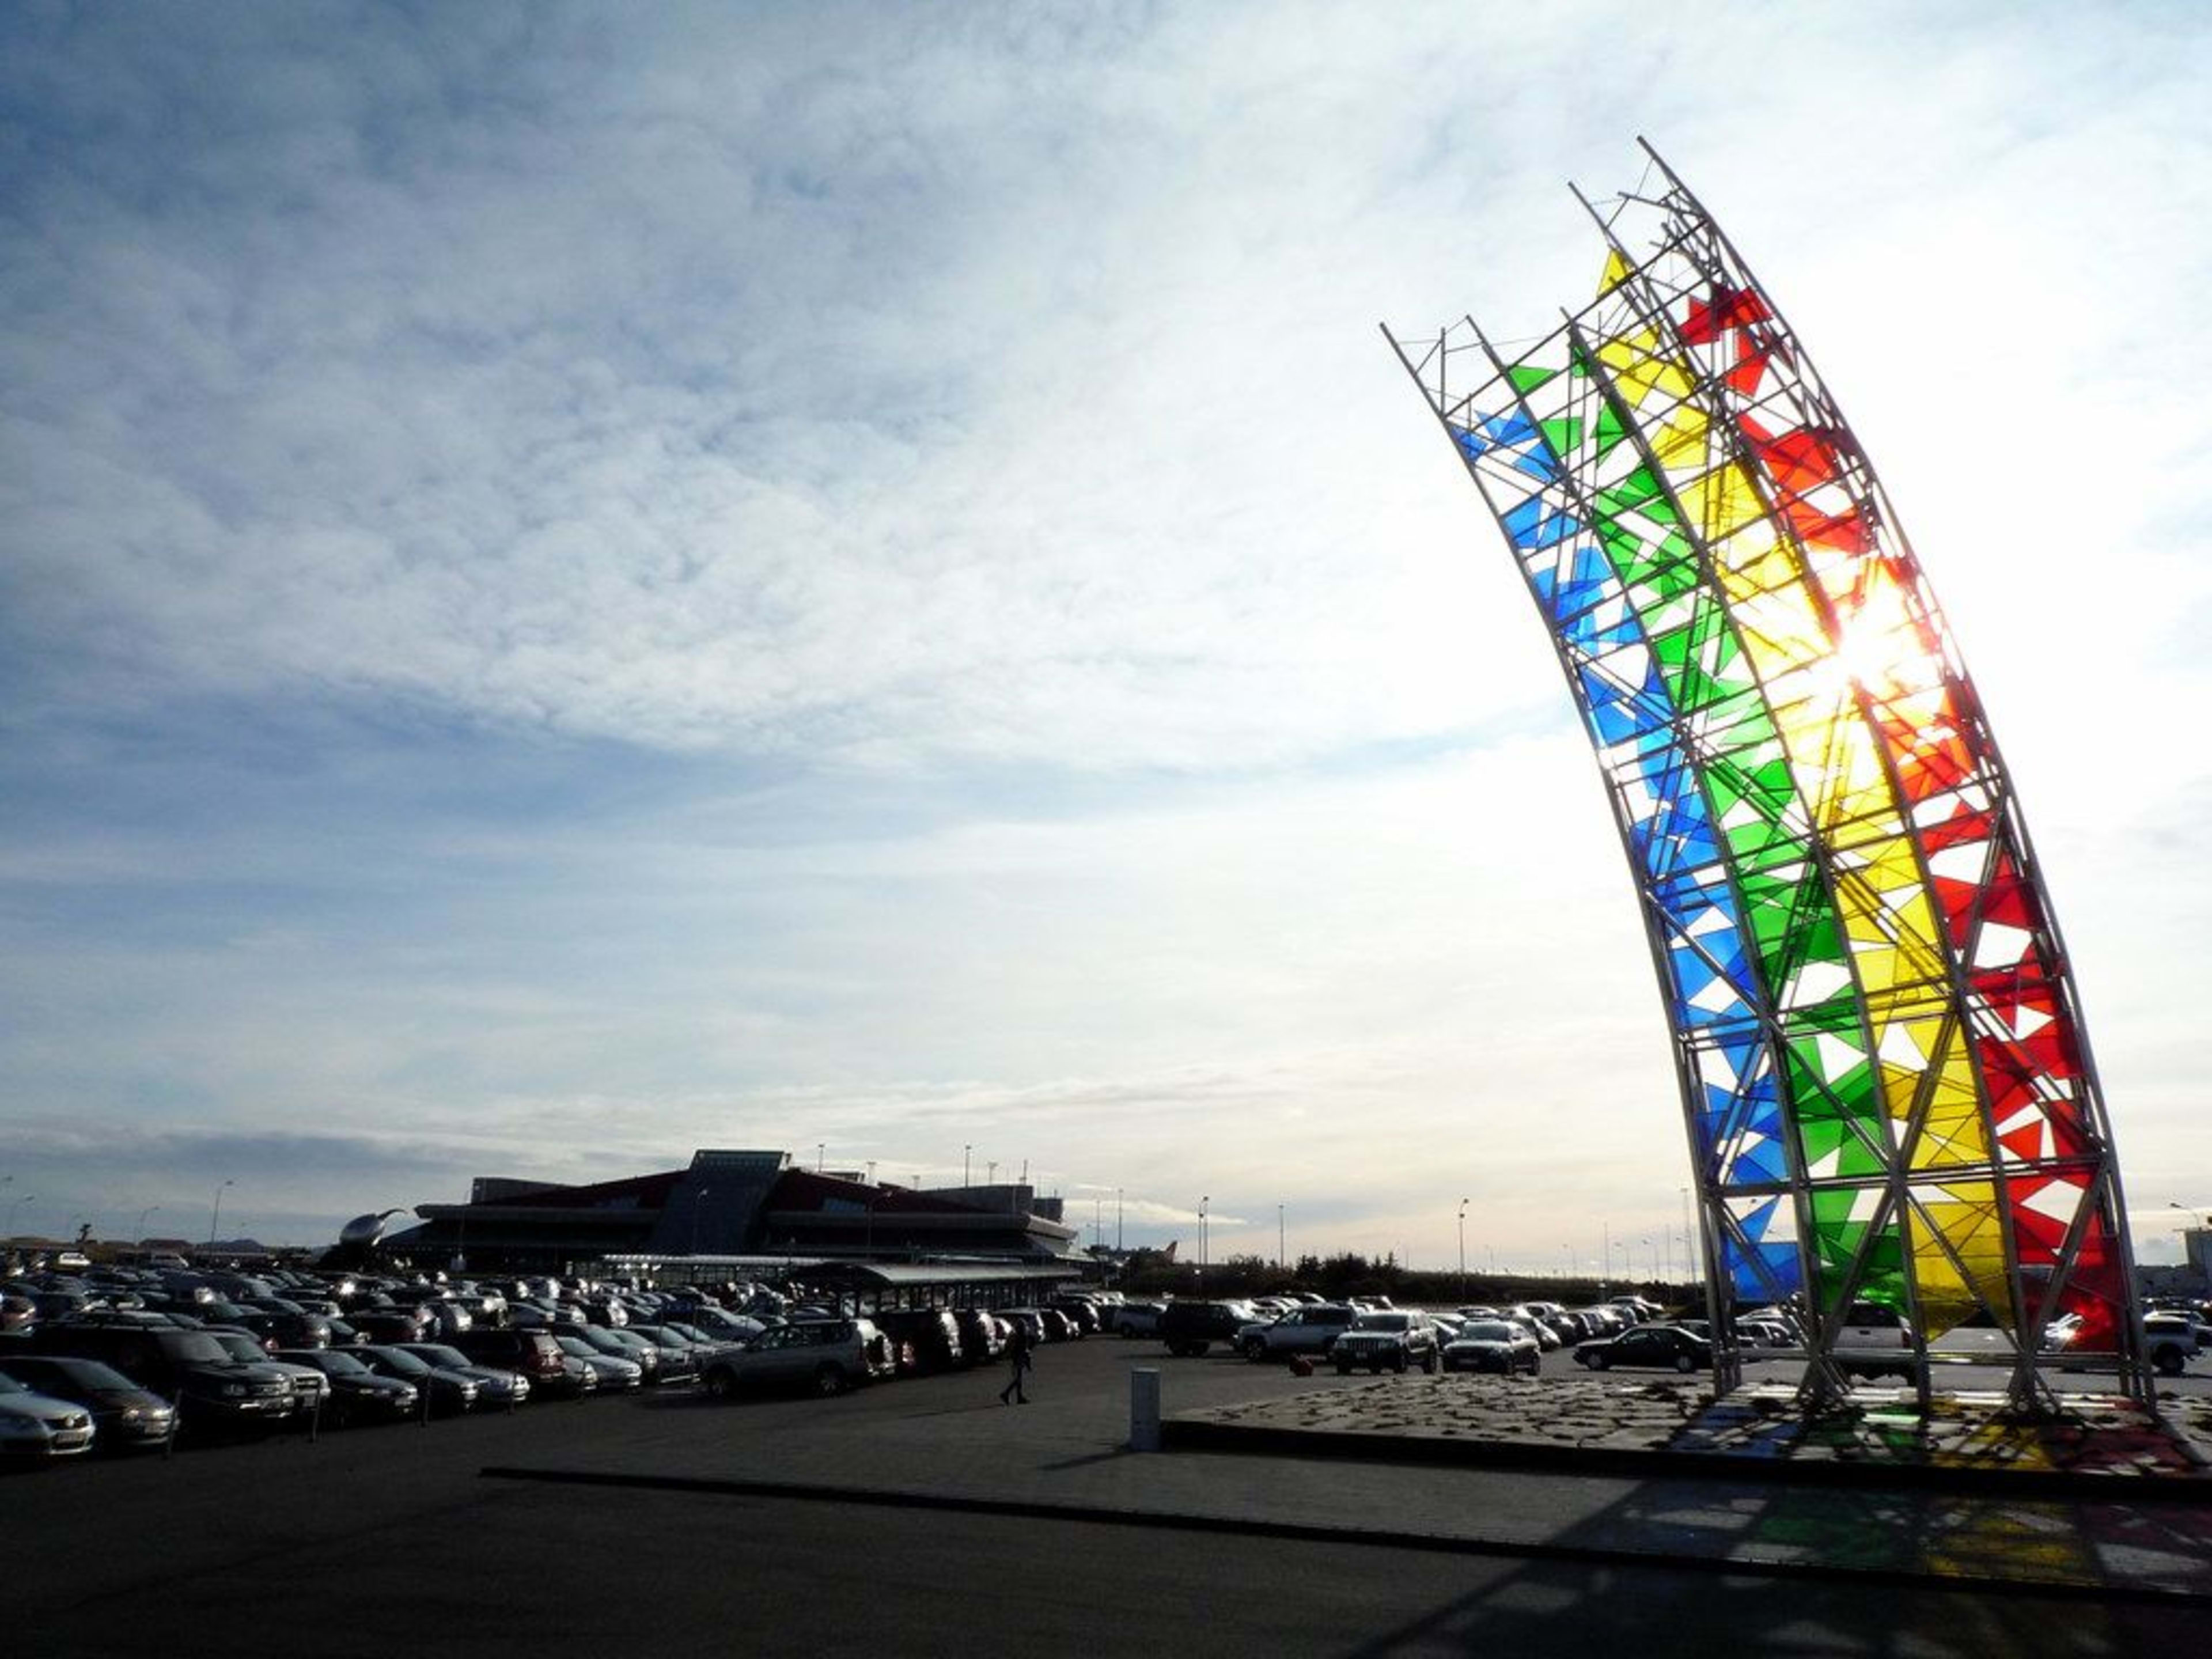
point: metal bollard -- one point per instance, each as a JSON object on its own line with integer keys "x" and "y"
{"x": 1145, "y": 1408}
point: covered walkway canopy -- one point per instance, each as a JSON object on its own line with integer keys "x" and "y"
{"x": 865, "y": 1286}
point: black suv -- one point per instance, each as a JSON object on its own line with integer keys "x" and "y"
{"x": 189, "y": 1367}
{"x": 1190, "y": 1328}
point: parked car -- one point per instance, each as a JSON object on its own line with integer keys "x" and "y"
{"x": 2169, "y": 1340}
{"x": 534, "y": 1354}
{"x": 607, "y": 1371}
{"x": 1189, "y": 1327}
{"x": 124, "y": 1415}
{"x": 494, "y": 1386}
{"x": 310, "y": 1384}
{"x": 1309, "y": 1329}
{"x": 719, "y": 1324}
{"x": 450, "y": 1391}
{"x": 619, "y": 1345}
{"x": 1494, "y": 1345}
{"x": 357, "y": 1393}
{"x": 1080, "y": 1308}
{"x": 679, "y": 1360}
{"x": 1667, "y": 1348}
{"x": 828, "y": 1356}
{"x": 1137, "y": 1318}
{"x": 983, "y": 1335}
{"x": 1390, "y": 1341}
{"x": 1873, "y": 1340}
{"x": 210, "y": 1387}
{"x": 35, "y": 1427}
{"x": 922, "y": 1340}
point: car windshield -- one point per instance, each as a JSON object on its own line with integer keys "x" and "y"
{"x": 88, "y": 1374}
{"x": 438, "y": 1354}
{"x": 576, "y": 1345}
{"x": 9, "y": 1385}
{"x": 196, "y": 1348}
{"x": 239, "y": 1347}
{"x": 340, "y": 1364}
{"x": 1381, "y": 1322}
{"x": 1487, "y": 1330}
{"x": 406, "y": 1364}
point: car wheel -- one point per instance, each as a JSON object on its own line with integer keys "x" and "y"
{"x": 1344, "y": 1368}
{"x": 829, "y": 1381}
{"x": 1596, "y": 1362}
{"x": 2168, "y": 1361}
{"x": 1428, "y": 1365}
{"x": 1535, "y": 1365}
{"x": 1684, "y": 1363}
{"x": 1255, "y": 1351}
{"x": 721, "y": 1385}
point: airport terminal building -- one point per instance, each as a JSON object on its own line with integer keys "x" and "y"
{"x": 735, "y": 1204}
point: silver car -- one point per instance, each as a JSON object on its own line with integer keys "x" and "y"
{"x": 828, "y": 1356}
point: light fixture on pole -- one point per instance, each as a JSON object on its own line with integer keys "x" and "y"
{"x": 698, "y": 1203}
{"x": 22, "y": 1198}
{"x": 143, "y": 1214}
{"x": 214, "y": 1217}
{"x": 1202, "y": 1202}
{"x": 1282, "y": 1257}
{"x": 965, "y": 1149}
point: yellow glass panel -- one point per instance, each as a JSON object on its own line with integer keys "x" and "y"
{"x": 1965, "y": 1215}
{"x": 1679, "y": 444}
{"x": 1722, "y": 502}
{"x": 1616, "y": 272}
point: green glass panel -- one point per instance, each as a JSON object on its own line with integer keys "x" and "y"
{"x": 1563, "y": 435}
{"x": 1630, "y": 493}
{"x": 1610, "y": 431}
{"x": 1527, "y": 377}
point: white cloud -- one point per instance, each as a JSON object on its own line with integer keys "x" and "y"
{"x": 971, "y": 433}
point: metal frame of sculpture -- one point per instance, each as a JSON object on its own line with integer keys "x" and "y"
{"x": 1885, "y": 1079}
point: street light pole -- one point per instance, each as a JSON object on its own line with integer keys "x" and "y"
{"x": 215, "y": 1217}
{"x": 698, "y": 1203}
{"x": 143, "y": 1214}
{"x": 22, "y": 1198}
{"x": 1281, "y": 1255}
{"x": 1462, "y": 1250}
{"x": 1202, "y": 1202}
{"x": 1117, "y": 1221}
{"x": 965, "y": 1149}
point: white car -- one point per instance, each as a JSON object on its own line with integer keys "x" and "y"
{"x": 1875, "y": 1341}
{"x": 33, "y": 1426}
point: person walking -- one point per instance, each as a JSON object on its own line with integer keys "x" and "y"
{"x": 1017, "y": 1355}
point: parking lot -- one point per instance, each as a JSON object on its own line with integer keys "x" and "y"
{"x": 394, "y": 1539}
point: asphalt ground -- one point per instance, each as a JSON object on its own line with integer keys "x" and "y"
{"x": 926, "y": 1518}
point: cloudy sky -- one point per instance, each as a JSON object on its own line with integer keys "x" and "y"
{"x": 580, "y": 582}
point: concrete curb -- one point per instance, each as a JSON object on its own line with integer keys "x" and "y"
{"x": 1374, "y": 1538}
{"x": 1185, "y": 1434}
